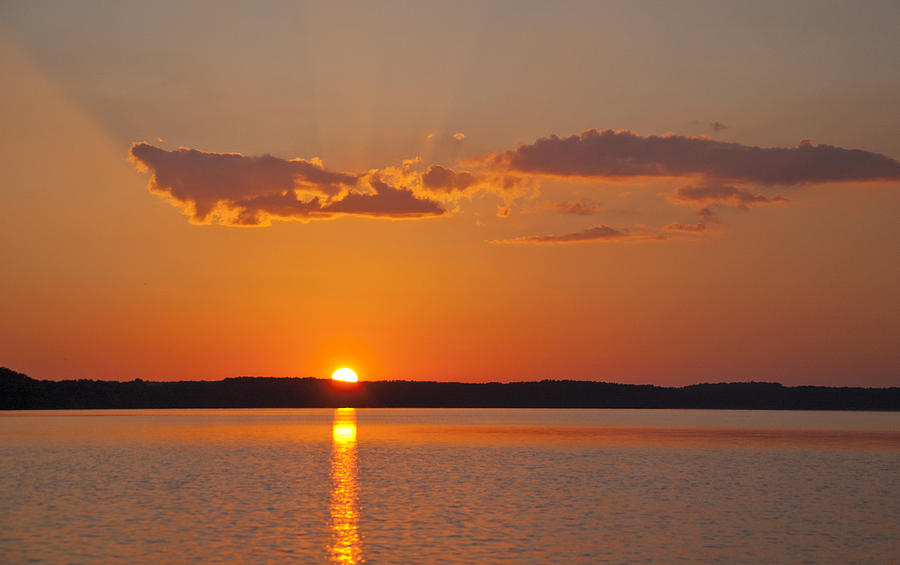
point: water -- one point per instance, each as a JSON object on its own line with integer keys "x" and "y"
{"x": 449, "y": 486}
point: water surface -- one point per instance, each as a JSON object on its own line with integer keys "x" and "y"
{"x": 449, "y": 486}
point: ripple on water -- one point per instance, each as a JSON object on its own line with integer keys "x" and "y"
{"x": 445, "y": 487}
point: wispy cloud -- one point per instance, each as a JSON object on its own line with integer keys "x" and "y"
{"x": 708, "y": 216}
{"x": 595, "y": 233}
{"x": 722, "y": 194}
{"x": 678, "y": 227}
{"x": 714, "y": 126}
{"x": 575, "y": 208}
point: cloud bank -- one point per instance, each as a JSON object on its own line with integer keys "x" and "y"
{"x": 616, "y": 154}
{"x": 234, "y": 189}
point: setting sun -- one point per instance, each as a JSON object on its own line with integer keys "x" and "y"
{"x": 344, "y": 374}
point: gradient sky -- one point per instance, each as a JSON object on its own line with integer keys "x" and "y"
{"x": 646, "y": 192}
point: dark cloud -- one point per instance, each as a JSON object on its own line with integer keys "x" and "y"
{"x": 437, "y": 177}
{"x": 717, "y": 126}
{"x": 204, "y": 180}
{"x": 386, "y": 201}
{"x": 595, "y": 233}
{"x": 625, "y": 154}
{"x": 240, "y": 190}
{"x": 722, "y": 194}
{"x": 255, "y": 211}
{"x": 441, "y": 179}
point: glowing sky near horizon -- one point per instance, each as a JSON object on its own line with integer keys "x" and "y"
{"x": 643, "y": 192}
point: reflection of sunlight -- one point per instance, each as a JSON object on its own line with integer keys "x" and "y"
{"x": 344, "y": 433}
{"x": 345, "y": 544}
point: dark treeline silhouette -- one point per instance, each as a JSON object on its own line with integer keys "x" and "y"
{"x": 20, "y": 392}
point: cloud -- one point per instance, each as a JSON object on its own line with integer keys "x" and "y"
{"x": 448, "y": 185}
{"x": 595, "y": 233}
{"x": 611, "y": 154}
{"x": 386, "y": 201}
{"x": 234, "y": 189}
{"x": 437, "y": 177}
{"x": 722, "y": 194}
{"x": 684, "y": 228}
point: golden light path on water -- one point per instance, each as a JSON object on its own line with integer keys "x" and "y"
{"x": 345, "y": 543}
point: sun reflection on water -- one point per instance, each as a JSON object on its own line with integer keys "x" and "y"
{"x": 345, "y": 543}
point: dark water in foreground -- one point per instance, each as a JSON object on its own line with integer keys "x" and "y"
{"x": 449, "y": 486}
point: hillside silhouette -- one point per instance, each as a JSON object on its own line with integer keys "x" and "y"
{"x": 21, "y": 392}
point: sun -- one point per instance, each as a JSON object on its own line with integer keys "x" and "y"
{"x": 344, "y": 374}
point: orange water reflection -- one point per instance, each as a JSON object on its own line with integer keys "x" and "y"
{"x": 345, "y": 543}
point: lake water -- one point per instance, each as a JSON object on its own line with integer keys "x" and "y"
{"x": 449, "y": 486}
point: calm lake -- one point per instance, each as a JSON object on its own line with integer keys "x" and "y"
{"x": 449, "y": 486}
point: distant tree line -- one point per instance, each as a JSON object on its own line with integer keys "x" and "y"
{"x": 20, "y": 392}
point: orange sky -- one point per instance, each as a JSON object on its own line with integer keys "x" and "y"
{"x": 416, "y": 218}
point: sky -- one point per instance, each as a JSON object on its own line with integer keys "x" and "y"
{"x": 638, "y": 192}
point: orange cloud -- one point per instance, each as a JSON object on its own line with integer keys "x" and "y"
{"x": 625, "y": 154}
{"x": 234, "y": 189}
